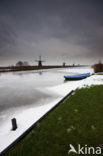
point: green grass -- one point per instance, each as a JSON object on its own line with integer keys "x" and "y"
{"x": 99, "y": 73}
{"x": 78, "y": 120}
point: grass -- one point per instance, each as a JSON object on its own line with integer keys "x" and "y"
{"x": 78, "y": 120}
{"x": 99, "y": 73}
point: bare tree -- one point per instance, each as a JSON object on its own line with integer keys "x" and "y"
{"x": 26, "y": 63}
{"x": 19, "y": 63}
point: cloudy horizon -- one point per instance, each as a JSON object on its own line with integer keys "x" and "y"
{"x": 60, "y": 31}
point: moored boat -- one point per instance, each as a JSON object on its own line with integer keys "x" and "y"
{"x": 77, "y": 77}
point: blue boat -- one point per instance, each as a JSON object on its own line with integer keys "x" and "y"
{"x": 77, "y": 77}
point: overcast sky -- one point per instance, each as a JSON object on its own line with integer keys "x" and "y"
{"x": 59, "y": 30}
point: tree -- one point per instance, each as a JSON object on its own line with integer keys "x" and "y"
{"x": 26, "y": 63}
{"x": 19, "y": 63}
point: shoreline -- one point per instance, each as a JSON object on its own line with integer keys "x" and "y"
{"x": 27, "y": 68}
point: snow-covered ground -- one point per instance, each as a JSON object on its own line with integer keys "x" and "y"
{"x": 29, "y": 115}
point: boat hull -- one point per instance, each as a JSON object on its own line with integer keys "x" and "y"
{"x": 77, "y": 77}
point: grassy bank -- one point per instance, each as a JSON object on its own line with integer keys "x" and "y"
{"x": 99, "y": 73}
{"x": 78, "y": 120}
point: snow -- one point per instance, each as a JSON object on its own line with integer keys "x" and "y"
{"x": 28, "y": 117}
{"x": 24, "y": 121}
{"x": 72, "y": 85}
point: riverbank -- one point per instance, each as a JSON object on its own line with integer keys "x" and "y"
{"x": 27, "y": 68}
{"x": 77, "y": 120}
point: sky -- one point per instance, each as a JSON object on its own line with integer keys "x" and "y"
{"x": 60, "y": 31}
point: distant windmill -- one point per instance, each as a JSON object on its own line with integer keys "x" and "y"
{"x": 39, "y": 61}
{"x": 64, "y": 64}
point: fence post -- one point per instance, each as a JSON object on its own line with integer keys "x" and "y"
{"x": 14, "y": 124}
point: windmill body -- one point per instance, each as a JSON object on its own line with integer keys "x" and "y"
{"x": 39, "y": 61}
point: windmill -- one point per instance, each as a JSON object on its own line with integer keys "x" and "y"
{"x": 39, "y": 61}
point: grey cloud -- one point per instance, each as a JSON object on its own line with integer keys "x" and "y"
{"x": 51, "y": 28}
